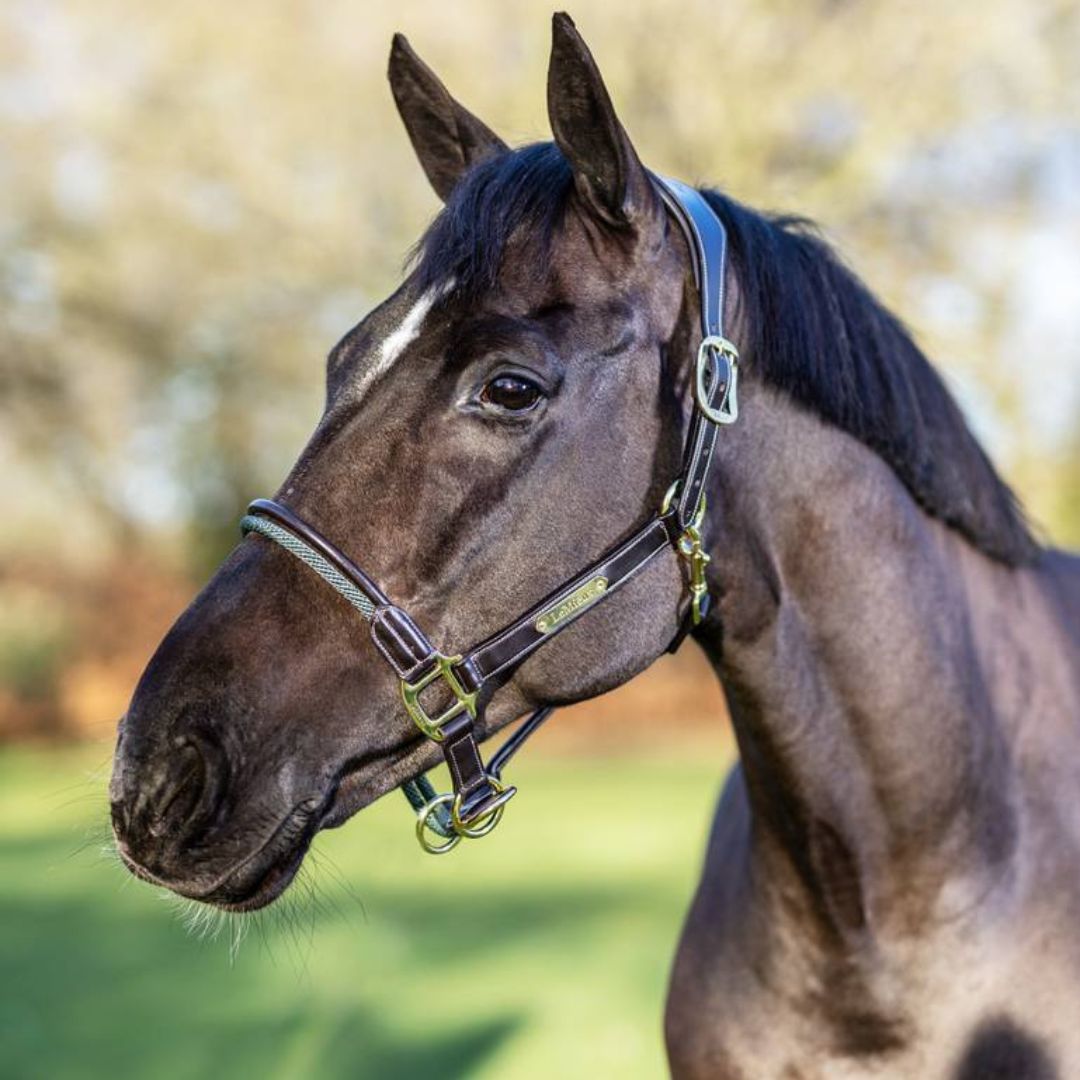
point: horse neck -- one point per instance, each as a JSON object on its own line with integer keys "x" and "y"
{"x": 853, "y": 662}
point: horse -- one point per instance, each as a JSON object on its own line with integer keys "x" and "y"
{"x": 891, "y": 887}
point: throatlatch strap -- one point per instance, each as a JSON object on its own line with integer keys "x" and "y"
{"x": 707, "y": 240}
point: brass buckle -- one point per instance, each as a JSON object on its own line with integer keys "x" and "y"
{"x": 727, "y": 412}
{"x": 432, "y": 726}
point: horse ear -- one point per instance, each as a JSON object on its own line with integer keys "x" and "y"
{"x": 608, "y": 174}
{"x": 447, "y": 138}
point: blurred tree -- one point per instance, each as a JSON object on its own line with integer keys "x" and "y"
{"x": 200, "y": 198}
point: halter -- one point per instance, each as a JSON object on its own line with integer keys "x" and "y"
{"x": 479, "y": 796}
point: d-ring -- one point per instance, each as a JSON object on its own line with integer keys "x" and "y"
{"x": 489, "y": 818}
{"x": 669, "y": 499}
{"x": 422, "y": 816}
{"x": 713, "y": 346}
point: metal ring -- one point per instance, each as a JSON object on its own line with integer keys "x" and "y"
{"x": 422, "y": 816}
{"x": 669, "y": 499}
{"x": 489, "y": 819}
{"x": 728, "y": 409}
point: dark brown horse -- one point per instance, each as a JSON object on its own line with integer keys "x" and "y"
{"x": 892, "y": 887}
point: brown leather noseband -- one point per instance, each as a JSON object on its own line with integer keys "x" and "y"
{"x": 475, "y": 805}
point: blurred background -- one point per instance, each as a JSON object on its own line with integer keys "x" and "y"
{"x": 196, "y": 201}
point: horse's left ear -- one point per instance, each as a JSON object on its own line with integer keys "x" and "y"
{"x": 608, "y": 174}
{"x": 447, "y": 138}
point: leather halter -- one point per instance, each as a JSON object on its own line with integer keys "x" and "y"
{"x": 476, "y": 803}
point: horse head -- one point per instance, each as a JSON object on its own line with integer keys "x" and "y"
{"x": 515, "y": 408}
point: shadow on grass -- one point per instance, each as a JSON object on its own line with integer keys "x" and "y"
{"x": 99, "y": 984}
{"x": 87, "y": 993}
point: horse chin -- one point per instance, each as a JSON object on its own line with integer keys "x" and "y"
{"x": 277, "y": 878}
{"x": 259, "y": 878}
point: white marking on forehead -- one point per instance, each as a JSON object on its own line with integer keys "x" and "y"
{"x": 395, "y": 343}
{"x": 398, "y": 340}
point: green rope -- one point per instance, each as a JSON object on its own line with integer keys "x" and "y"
{"x": 419, "y": 792}
{"x": 309, "y": 557}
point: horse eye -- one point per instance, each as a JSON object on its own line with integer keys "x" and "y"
{"x": 512, "y": 393}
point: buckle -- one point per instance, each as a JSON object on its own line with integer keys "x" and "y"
{"x": 713, "y": 346}
{"x": 432, "y": 726}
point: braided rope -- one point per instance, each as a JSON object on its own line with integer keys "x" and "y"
{"x": 311, "y": 558}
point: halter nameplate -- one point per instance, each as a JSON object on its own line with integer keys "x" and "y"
{"x": 574, "y": 605}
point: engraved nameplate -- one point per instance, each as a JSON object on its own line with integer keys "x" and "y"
{"x": 582, "y": 597}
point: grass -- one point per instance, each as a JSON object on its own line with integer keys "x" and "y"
{"x": 540, "y": 951}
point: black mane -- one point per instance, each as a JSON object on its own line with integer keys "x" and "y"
{"x": 819, "y": 335}
{"x": 524, "y": 189}
{"x": 816, "y": 333}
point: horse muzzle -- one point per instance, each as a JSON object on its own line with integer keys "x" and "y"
{"x": 168, "y": 816}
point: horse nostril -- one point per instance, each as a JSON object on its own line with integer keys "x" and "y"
{"x": 179, "y": 797}
{"x": 173, "y": 797}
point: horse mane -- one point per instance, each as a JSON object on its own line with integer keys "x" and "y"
{"x": 817, "y": 334}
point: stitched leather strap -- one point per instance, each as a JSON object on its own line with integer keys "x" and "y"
{"x": 707, "y": 240}
{"x": 569, "y": 602}
{"x": 466, "y": 767}
{"x": 403, "y": 644}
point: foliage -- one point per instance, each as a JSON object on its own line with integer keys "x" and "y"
{"x": 200, "y": 198}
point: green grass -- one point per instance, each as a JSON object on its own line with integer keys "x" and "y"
{"x": 540, "y": 951}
